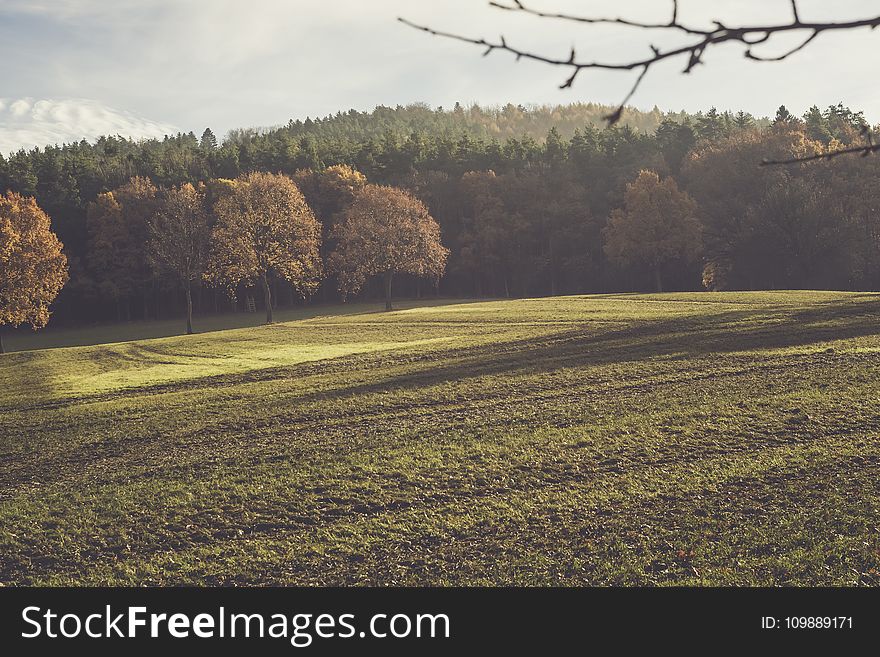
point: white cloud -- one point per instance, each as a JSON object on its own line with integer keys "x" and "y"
{"x": 229, "y": 64}
{"x": 27, "y": 122}
{"x": 69, "y": 9}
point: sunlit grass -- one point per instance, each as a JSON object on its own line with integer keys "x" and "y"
{"x": 726, "y": 438}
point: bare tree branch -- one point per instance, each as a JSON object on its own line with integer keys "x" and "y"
{"x": 864, "y": 150}
{"x": 673, "y": 24}
{"x": 759, "y": 58}
{"x": 692, "y": 52}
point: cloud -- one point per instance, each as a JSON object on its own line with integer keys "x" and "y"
{"x": 26, "y": 122}
{"x": 71, "y": 9}
{"x": 230, "y": 64}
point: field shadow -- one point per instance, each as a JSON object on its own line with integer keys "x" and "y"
{"x": 686, "y": 337}
{"x": 593, "y": 344}
{"x": 53, "y": 337}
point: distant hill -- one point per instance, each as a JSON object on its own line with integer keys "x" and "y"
{"x": 490, "y": 122}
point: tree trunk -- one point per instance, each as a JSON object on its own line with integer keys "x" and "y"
{"x": 388, "y": 276}
{"x": 658, "y": 279}
{"x": 267, "y": 298}
{"x": 2, "y": 351}
{"x": 189, "y": 308}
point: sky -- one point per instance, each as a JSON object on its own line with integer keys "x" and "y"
{"x": 77, "y": 69}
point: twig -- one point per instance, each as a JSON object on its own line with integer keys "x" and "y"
{"x": 864, "y": 151}
{"x": 748, "y": 35}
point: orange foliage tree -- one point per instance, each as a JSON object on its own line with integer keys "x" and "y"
{"x": 33, "y": 268}
{"x": 386, "y": 231}
{"x": 265, "y": 228}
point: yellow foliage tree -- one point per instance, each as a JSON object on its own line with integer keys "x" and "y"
{"x": 330, "y": 191}
{"x": 265, "y": 228}
{"x": 33, "y": 268}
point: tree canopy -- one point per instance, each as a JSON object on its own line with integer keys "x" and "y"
{"x": 33, "y": 267}
{"x": 178, "y": 239}
{"x": 657, "y": 225}
{"x": 265, "y": 228}
{"x": 386, "y": 231}
{"x": 522, "y": 206}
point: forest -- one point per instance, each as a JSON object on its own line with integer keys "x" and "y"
{"x": 530, "y": 201}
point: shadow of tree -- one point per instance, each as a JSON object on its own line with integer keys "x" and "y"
{"x": 690, "y": 336}
{"x": 594, "y": 343}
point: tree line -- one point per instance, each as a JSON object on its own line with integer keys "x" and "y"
{"x": 227, "y": 233}
{"x": 680, "y": 206}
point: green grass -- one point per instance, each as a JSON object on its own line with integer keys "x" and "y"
{"x": 726, "y": 438}
{"x": 24, "y": 339}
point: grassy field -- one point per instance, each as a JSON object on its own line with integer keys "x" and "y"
{"x": 24, "y": 338}
{"x": 693, "y": 439}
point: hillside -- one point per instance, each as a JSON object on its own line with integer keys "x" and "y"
{"x": 523, "y": 198}
{"x": 713, "y": 438}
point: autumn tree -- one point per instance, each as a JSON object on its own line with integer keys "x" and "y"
{"x": 776, "y": 226}
{"x": 216, "y": 189}
{"x": 656, "y": 226}
{"x": 330, "y": 191}
{"x": 33, "y": 268}
{"x": 264, "y": 229}
{"x": 178, "y": 237}
{"x": 117, "y": 228}
{"x": 386, "y": 231}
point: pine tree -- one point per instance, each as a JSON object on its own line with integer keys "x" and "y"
{"x": 784, "y": 117}
{"x": 208, "y": 141}
{"x": 817, "y": 125}
{"x": 743, "y": 120}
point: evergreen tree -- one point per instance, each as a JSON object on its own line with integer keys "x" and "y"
{"x": 816, "y": 125}
{"x": 208, "y": 141}
{"x": 743, "y": 120}
{"x": 784, "y": 118}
